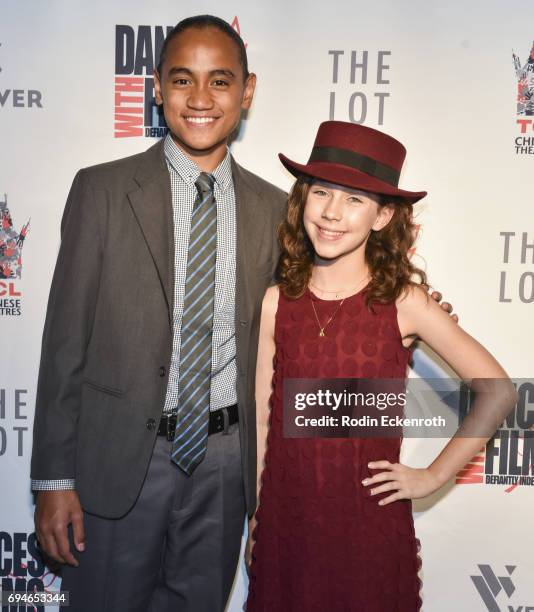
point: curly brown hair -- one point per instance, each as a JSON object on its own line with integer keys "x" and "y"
{"x": 386, "y": 252}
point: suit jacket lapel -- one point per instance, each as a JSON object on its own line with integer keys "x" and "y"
{"x": 152, "y": 205}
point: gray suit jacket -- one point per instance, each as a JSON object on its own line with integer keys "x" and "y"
{"x": 108, "y": 331}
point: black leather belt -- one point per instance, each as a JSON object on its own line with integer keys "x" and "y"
{"x": 220, "y": 420}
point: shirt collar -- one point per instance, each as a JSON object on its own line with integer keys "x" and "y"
{"x": 189, "y": 172}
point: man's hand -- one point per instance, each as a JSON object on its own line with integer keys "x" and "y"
{"x": 436, "y": 295}
{"x": 54, "y": 512}
{"x": 250, "y": 543}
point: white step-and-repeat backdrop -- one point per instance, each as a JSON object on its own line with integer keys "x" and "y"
{"x": 453, "y": 81}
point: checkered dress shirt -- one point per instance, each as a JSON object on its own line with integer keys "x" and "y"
{"x": 184, "y": 172}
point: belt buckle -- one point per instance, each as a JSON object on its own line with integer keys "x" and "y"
{"x": 171, "y": 427}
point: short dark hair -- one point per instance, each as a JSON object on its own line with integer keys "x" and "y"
{"x": 206, "y": 21}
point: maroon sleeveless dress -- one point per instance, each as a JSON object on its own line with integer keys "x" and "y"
{"x": 321, "y": 542}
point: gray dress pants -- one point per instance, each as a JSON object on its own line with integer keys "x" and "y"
{"x": 178, "y": 547}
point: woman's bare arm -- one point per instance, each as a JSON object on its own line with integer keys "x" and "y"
{"x": 420, "y": 316}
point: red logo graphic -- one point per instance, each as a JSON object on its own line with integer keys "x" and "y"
{"x": 11, "y": 243}
{"x": 473, "y": 472}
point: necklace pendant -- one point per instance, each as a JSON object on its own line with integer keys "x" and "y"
{"x": 321, "y": 333}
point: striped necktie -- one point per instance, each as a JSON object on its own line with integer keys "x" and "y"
{"x": 190, "y": 440}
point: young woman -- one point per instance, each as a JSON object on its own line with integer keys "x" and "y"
{"x": 334, "y": 528}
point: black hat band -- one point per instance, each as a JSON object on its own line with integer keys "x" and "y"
{"x": 357, "y": 161}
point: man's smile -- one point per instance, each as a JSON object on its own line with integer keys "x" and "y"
{"x": 199, "y": 120}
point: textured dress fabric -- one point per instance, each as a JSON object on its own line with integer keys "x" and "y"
{"x": 321, "y": 541}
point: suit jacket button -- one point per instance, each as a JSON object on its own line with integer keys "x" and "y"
{"x": 151, "y": 424}
{"x": 162, "y": 371}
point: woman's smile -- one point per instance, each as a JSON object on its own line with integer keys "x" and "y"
{"x": 329, "y": 234}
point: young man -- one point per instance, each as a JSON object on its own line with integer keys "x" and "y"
{"x": 153, "y": 313}
{"x": 144, "y": 454}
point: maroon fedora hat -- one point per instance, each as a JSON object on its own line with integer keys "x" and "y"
{"x": 355, "y": 156}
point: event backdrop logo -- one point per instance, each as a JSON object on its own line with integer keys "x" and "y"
{"x": 516, "y": 280}
{"x": 20, "y": 98}
{"x": 14, "y": 430}
{"x": 22, "y": 567}
{"x": 508, "y": 457}
{"x": 524, "y": 145}
{"x": 525, "y": 84}
{"x": 369, "y": 73}
{"x": 11, "y": 243}
{"x": 137, "y": 52}
{"x": 490, "y": 586}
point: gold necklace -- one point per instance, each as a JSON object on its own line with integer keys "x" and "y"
{"x": 338, "y": 291}
{"x": 321, "y": 329}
